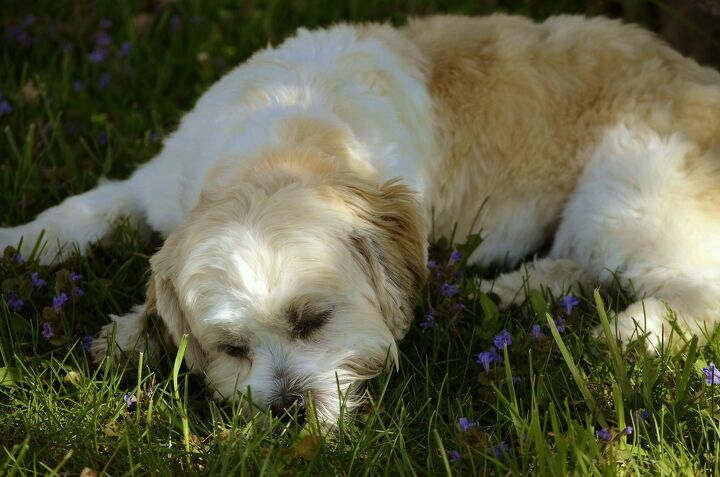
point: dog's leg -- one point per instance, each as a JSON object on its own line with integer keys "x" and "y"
{"x": 647, "y": 208}
{"x": 557, "y": 275}
{"x": 76, "y": 222}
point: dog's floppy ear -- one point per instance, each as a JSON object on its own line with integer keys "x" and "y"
{"x": 162, "y": 299}
{"x": 390, "y": 245}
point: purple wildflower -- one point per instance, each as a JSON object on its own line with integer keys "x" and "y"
{"x": 499, "y": 450}
{"x": 449, "y": 290}
{"x": 628, "y": 430}
{"x": 457, "y": 307}
{"x": 644, "y": 415}
{"x": 102, "y": 138}
{"x": 37, "y": 282}
{"x": 453, "y": 456}
{"x": 15, "y": 302}
{"x": 59, "y": 301}
{"x": 568, "y": 303}
{"x": 77, "y": 291}
{"x": 175, "y": 23}
{"x": 130, "y": 401}
{"x": 466, "y": 424}
{"x": 428, "y": 323}
{"x": 454, "y": 257}
{"x": 432, "y": 264}
{"x": 98, "y": 56}
{"x": 105, "y": 23}
{"x": 27, "y": 21}
{"x": 712, "y": 374}
{"x": 124, "y": 49}
{"x": 87, "y": 342}
{"x": 604, "y": 434}
{"x": 78, "y": 86}
{"x": 47, "y": 331}
{"x": 515, "y": 379}
{"x": 536, "y": 331}
{"x": 486, "y": 358}
{"x": 5, "y": 107}
{"x": 560, "y": 324}
{"x": 104, "y": 81}
{"x": 75, "y": 277}
{"x": 502, "y": 339}
{"x": 103, "y": 39}
{"x": 17, "y": 258}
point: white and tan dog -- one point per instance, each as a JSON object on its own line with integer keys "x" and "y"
{"x": 296, "y": 197}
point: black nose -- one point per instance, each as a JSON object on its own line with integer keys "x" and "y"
{"x": 288, "y": 406}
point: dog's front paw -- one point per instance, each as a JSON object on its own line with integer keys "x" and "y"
{"x": 125, "y": 336}
{"x": 648, "y": 320}
{"x": 505, "y": 293}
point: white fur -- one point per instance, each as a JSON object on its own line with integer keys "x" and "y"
{"x": 232, "y": 271}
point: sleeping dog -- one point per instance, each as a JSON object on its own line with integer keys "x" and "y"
{"x": 297, "y": 197}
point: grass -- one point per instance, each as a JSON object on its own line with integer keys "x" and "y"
{"x": 537, "y": 410}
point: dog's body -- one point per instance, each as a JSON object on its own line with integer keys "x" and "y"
{"x": 293, "y": 263}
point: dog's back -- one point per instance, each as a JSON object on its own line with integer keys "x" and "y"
{"x": 520, "y": 107}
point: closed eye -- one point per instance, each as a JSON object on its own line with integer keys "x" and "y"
{"x": 307, "y": 321}
{"x": 236, "y": 351}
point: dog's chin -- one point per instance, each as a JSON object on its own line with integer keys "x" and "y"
{"x": 324, "y": 398}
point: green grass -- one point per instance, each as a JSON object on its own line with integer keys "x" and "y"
{"x": 60, "y": 414}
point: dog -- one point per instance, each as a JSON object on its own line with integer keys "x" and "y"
{"x": 298, "y": 195}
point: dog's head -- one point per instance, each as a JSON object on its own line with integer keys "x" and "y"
{"x": 293, "y": 282}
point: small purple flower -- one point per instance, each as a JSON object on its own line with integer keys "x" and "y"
{"x": 27, "y": 21}
{"x": 47, "y": 331}
{"x": 515, "y": 379}
{"x": 466, "y": 424}
{"x": 568, "y": 303}
{"x": 59, "y": 301}
{"x": 628, "y": 430}
{"x": 536, "y": 331}
{"x": 130, "y": 401}
{"x": 432, "y": 264}
{"x": 98, "y": 56}
{"x": 102, "y": 138}
{"x": 560, "y": 324}
{"x": 17, "y": 258}
{"x": 5, "y": 107}
{"x": 105, "y": 23}
{"x": 712, "y": 374}
{"x": 15, "y": 302}
{"x": 87, "y": 342}
{"x": 428, "y": 323}
{"x": 71, "y": 130}
{"x": 604, "y": 434}
{"x": 644, "y": 415}
{"x": 455, "y": 257}
{"x": 103, "y": 40}
{"x": 453, "y": 456}
{"x": 77, "y": 291}
{"x": 500, "y": 450}
{"x": 78, "y": 86}
{"x": 502, "y": 339}
{"x": 175, "y": 23}
{"x": 75, "y": 277}
{"x": 124, "y": 49}
{"x": 104, "y": 81}
{"x": 37, "y": 282}
{"x": 486, "y": 358}
{"x": 449, "y": 290}
{"x": 457, "y": 307}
